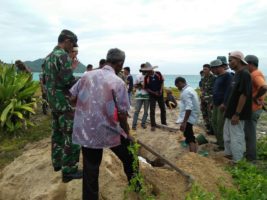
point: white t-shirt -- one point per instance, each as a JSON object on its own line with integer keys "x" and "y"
{"x": 140, "y": 93}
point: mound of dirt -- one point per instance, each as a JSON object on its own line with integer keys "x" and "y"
{"x": 31, "y": 177}
{"x": 205, "y": 171}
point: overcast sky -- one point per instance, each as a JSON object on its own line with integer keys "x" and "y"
{"x": 178, "y": 36}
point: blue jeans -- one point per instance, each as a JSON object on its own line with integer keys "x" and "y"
{"x": 138, "y": 106}
{"x": 250, "y": 135}
{"x": 129, "y": 97}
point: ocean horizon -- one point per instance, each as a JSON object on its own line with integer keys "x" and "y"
{"x": 192, "y": 80}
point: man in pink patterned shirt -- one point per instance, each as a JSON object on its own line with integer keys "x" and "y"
{"x": 101, "y": 120}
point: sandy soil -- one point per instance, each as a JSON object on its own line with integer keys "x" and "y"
{"x": 31, "y": 177}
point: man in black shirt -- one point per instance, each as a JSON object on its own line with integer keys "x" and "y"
{"x": 238, "y": 107}
{"x": 153, "y": 82}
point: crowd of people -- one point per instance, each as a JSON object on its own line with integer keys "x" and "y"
{"x": 91, "y": 112}
{"x": 231, "y": 103}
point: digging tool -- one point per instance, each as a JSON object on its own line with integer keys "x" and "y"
{"x": 190, "y": 178}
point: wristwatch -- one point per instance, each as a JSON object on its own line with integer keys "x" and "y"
{"x": 237, "y": 114}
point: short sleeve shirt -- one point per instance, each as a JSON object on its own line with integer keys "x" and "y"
{"x": 100, "y": 94}
{"x": 140, "y": 93}
{"x": 241, "y": 84}
{"x": 258, "y": 81}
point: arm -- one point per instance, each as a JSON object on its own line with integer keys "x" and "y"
{"x": 122, "y": 117}
{"x": 228, "y": 82}
{"x": 240, "y": 105}
{"x": 261, "y": 92}
{"x": 188, "y": 109}
{"x": 130, "y": 79}
{"x": 66, "y": 72}
{"x": 120, "y": 98}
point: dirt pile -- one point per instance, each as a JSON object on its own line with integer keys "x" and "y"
{"x": 205, "y": 171}
{"x": 31, "y": 177}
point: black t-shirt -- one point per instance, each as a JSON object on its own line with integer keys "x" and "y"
{"x": 154, "y": 81}
{"x": 241, "y": 84}
{"x": 130, "y": 83}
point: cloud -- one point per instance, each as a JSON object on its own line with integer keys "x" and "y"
{"x": 179, "y": 35}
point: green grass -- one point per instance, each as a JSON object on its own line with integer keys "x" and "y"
{"x": 12, "y": 144}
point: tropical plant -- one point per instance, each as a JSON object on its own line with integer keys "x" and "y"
{"x": 16, "y": 98}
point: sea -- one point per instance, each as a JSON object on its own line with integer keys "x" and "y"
{"x": 192, "y": 80}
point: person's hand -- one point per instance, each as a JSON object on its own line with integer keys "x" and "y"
{"x": 158, "y": 93}
{"x": 210, "y": 106}
{"x": 235, "y": 120}
{"x": 75, "y": 63}
{"x": 183, "y": 126}
{"x": 222, "y": 107}
{"x": 258, "y": 102}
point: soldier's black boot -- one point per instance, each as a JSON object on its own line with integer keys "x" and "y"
{"x": 56, "y": 169}
{"x": 68, "y": 177}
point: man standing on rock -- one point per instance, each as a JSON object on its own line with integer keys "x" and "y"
{"x": 238, "y": 108}
{"x": 58, "y": 74}
{"x": 101, "y": 120}
{"x": 259, "y": 88}
{"x": 188, "y": 112}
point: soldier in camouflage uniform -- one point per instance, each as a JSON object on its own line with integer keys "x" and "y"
{"x": 206, "y": 97}
{"x": 58, "y": 74}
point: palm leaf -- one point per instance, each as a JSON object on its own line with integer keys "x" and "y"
{"x": 6, "y": 111}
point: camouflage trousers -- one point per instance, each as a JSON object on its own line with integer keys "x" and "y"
{"x": 207, "y": 115}
{"x": 65, "y": 155}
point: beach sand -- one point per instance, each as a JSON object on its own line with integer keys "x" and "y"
{"x": 31, "y": 176}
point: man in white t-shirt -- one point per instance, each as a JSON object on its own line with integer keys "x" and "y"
{"x": 141, "y": 97}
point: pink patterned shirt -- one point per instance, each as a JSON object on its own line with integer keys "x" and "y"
{"x": 95, "y": 124}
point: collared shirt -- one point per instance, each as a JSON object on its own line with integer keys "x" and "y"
{"x": 99, "y": 94}
{"x": 189, "y": 101}
{"x": 241, "y": 85}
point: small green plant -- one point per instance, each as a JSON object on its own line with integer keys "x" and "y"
{"x": 251, "y": 183}
{"x": 16, "y": 98}
{"x": 137, "y": 184}
{"x": 262, "y": 148}
{"x": 198, "y": 193}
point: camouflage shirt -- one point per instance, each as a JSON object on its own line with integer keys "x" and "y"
{"x": 59, "y": 79}
{"x": 207, "y": 86}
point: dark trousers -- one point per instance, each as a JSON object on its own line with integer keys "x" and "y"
{"x": 152, "y": 101}
{"x": 91, "y": 162}
{"x": 189, "y": 133}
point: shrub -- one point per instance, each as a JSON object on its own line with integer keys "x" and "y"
{"x": 16, "y": 98}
